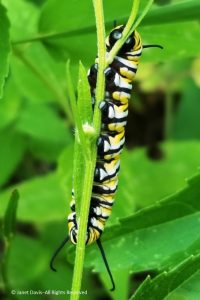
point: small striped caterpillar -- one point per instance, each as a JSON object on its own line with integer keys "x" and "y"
{"x": 114, "y": 111}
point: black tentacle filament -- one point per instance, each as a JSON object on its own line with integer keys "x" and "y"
{"x": 106, "y": 264}
{"x": 56, "y": 253}
{"x": 152, "y": 46}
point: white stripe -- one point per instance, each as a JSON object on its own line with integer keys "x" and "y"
{"x": 111, "y": 112}
{"x": 106, "y": 188}
{"x": 120, "y": 115}
{"x": 126, "y": 62}
{"x": 96, "y": 223}
{"x": 124, "y": 94}
{"x": 133, "y": 53}
{"x": 119, "y": 81}
{"x": 71, "y": 216}
{"x": 106, "y": 146}
{"x": 113, "y": 171}
{"x": 103, "y": 174}
{"x": 115, "y": 147}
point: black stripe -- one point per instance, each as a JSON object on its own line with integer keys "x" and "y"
{"x": 110, "y": 152}
{"x": 118, "y": 64}
{"x": 100, "y": 163}
{"x": 74, "y": 236}
{"x": 109, "y": 176}
{"x": 100, "y": 202}
{"x": 114, "y": 151}
{"x": 94, "y": 227}
{"x": 109, "y": 121}
{"x": 73, "y": 207}
{"x": 117, "y": 102}
{"x": 118, "y": 120}
{"x": 98, "y": 189}
{"x": 125, "y": 55}
{"x": 110, "y": 133}
{"x": 123, "y": 89}
{"x": 93, "y": 214}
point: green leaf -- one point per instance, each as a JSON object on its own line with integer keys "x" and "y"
{"x": 153, "y": 248}
{"x": 144, "y": 232}
{"x": 9, "y": 105}
{"x": 168, "y": 174}
{"x": 39, "y": 77}
{"x": 23, "y": 17}
{"x": 84, "y": 104}
{"x": 121, "y": 278}
{"x": 4, "y": 46}
{"x": 173, "y": 20}
{"x": 43, "y": 123}
{"x": 176, "y": 11}
{"x": 7, "y": 234}
{"x": 10, "y": 215}
{"x": 71, "y": 93}
{"x": 174, "y": 38}
{"x": 53, "y": 19}
{"x": 11, "y": 152}
{"x": 143, "y": 181}
{"x": 72, "y": 159}
{"x": 175, "y": 206}
{"x": 188, "y": 291}
{"x": 65, "y": 166}
{"x": 70, "y": 21}
{"x": 50, "y": 281}
{"x": 29, "y": 264}
{"x": 48, "y": 151}
{"x": 44, "y": 195}
{"x": 165, "y": 283}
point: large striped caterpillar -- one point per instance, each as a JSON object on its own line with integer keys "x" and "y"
{"x": 119, "y": 76}
{"x": 114, "y": 110}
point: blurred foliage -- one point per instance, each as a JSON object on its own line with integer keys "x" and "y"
{"x": 4, "y": 46}
{"x": 144, "y": 235}
{"x": 7, "y": 233}
{"x": 165, "y": 283}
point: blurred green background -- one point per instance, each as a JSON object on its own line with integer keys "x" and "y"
{"x": 37, "y": 132}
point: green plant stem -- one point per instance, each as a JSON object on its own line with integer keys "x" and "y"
{"x": 80, "y": 248}
{"x": 55, "y": 35}
{"x": 58, "y": 96}
{"x": 4, "y": 267}
{"x": 100, "y": 88}
{"x": 125, "y": 33}
{"x": 142, "y": 15}
{"x": 4, "y": 274}
{"x": 129, "y": 28}
{"x": 90, "y": 163}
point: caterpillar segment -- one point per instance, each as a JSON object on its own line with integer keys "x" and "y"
{"x": 114, "y": 111}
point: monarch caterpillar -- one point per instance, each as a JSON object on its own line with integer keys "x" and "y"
{"x": 114, "y": 111}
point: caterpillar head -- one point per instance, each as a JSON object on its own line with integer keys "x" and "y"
{"x": 133, "y": 42}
